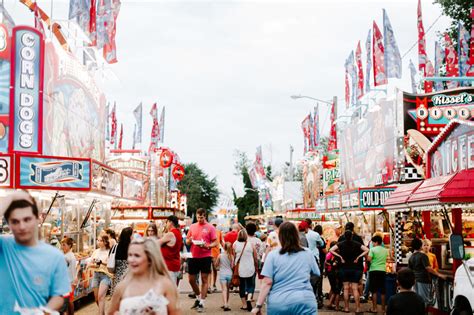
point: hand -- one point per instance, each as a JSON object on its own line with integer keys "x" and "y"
{"x": 256, "y": 311}
{"x": 356, "y": 260}
{"x": 342, "y": 260}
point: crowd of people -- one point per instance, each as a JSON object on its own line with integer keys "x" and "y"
{"x": 143, "y": 272}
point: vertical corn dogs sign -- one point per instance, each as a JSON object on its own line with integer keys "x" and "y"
{"x": 26, "y": 95}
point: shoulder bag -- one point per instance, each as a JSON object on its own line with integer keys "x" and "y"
{"x": 111, "y": 260}
{"x": 235, "y": 281}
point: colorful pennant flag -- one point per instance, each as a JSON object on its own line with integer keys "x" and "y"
{"x": 332, "y": 143}
{"x": 79, "y": 10}
{"x": 138, "y": 113}
{"x": 470, "y": 72}
{"x": 155, "y": 129}
{"x": 349, "y": 68}
{"x": 368, "y": 48}
{"x": 315, "y": 126}
{"x": 439, "y": 56}
{"x": 134, "y": 136}
{"x": 38, "y": 23}
{"x": 113, "y": 132}
{"x": 121, "y": 137}
{"x": 429, "y": 73}
{"x": 380, "y": 77}
{"x": 452, "y": 62}
{"x": 107, "y": 128}
{"x": 162, "y": 125}
{"x": 93, "y": 22}
{"x": 305, "y": 126}
{"x": 412, "y": 75}
{"x": 463, "y": 52}
{"x": 6, "y": 18}
{"x": 311, "y": 133}
{"x": 421, "y": 42}
{"x": 260, "y": 171}
{"x": 392, "y": 58}
{"x": 360, "y": 73}
{"x": 347, "y": 95}
{"x": 110, "y": 49}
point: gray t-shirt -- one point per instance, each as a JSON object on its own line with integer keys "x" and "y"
{"x": 418, "y": 263}
{"x": 225, "y": 267}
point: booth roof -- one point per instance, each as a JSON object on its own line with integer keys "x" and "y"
{"x": 455, "y": 188}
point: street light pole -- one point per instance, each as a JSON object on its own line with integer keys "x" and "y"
{"x": 295, "y": 97}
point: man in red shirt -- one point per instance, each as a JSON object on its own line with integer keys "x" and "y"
{"x": 171, "y": 244}
{"x": 231, "y": 236}
{"x": 202, "y": 238}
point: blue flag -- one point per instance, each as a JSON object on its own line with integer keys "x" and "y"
{"x": 463, "y": 52}
{"x": 368, "y": 48}
{"x": 138, "y": 113}
{"x": 393, "y": 59}
{"x": 412, "y": 75}
{"x": 439, "y": 56}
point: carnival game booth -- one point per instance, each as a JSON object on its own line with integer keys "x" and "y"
{"x": 442, "y": 203}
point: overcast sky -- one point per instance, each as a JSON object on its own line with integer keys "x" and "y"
{"x": 225, "y": 70}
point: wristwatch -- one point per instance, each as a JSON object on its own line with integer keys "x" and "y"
{"x": 258, "y": 306}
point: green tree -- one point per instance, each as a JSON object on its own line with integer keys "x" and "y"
{"x": 458, "y": 11}
{"x": 248, "y": 203}
{"x": 201, "y": 191}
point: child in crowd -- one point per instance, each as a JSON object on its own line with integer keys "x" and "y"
{"x": 225, "y": 261}
{"x": 66, "y": 244}
{"x": 332, "y": 271}
{"x": 406, "y": 302}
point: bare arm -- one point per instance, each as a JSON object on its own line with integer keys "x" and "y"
{"x": 171, "y": 293}
{"x": 264, "y": 290}
{"x": 167, "y": 238}
{"x": 434, "y": 272}
{"x": 333, "y": 251}
{"x": 55, "y": 303}
{"x": 365, "y": 251}
{"x": 116, "y": 298}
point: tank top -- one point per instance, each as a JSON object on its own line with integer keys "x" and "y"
{"x": 171, "y": 253}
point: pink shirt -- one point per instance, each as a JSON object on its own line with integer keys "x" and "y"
{"x": 205, "y": 232}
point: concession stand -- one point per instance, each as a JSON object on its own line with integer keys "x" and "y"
{"x": 441, "y": 204}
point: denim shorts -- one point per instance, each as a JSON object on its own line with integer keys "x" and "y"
{"x": 100, "y": 277}
{"x": 225, "y": 278}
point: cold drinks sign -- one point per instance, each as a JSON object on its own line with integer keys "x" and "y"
{"x": 26, "y": 96}
{"x": 374, "y": 198}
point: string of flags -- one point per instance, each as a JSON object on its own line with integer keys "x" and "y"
{"x": 384, "y": 59}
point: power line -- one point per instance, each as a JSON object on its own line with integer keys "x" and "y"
{"x": 427, "y": 31}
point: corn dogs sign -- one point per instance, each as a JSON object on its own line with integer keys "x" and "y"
{"x": 26, "y": 95}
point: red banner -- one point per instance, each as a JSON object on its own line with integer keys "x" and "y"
{"x": 155, "y": 129}
{"x": 113, "y": 132}
{"x": 121, "y": 137}
{"x": 348, "y": 91}
{"x": 360, "y": 73}
{"x": 380, "y": 78}
{"x": 332, "y": 144}
{"x": 429, "y": 73}
{"x": 452, "y": 64}
{"x": 470, "y": 72}
{"x": 421, "y": 41}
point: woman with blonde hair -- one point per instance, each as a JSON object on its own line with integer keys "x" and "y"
{"x": 147, "y": 287}
{"x": 426, "y": 248}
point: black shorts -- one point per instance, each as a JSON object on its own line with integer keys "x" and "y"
{"x": 351, "y": 275}
{"x": 335, "y": 282}
{"x": 197, "y": 265}
{"x": 377, "y": 281}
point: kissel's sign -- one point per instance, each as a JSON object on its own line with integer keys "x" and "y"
{"x": 26, "y": 96}
{"x": 374, "y": 198}
{"x": 454, "y": 153}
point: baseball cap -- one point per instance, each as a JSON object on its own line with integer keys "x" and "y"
{"x": 303, "y": 226}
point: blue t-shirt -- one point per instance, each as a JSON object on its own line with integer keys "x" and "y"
{"x": 291, "y": 277}
{"x": 30, "y": 275}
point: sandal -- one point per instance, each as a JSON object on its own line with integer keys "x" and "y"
{"x": 226, "y": 309}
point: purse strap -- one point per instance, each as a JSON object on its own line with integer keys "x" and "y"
{"x": 240, "y": 254}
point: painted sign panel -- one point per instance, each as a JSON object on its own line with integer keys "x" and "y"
{"x": 6, "y": 171}
{"x": 132, "y": 188}
{"x": 106, "y": 180}
{"x": 454, "y": 153}
{"x": 374, "y": 198}
{"x": 162, "y": 213}
{"x": 128, "y": 165}
{"x": 331, "y": 177}
{"x": 368, "y": 149}
{"x": 26, "y": 95}
{"x": 5, "y": 73}
{"x": 53, "y": 173}
{"x": 429, "y": 113}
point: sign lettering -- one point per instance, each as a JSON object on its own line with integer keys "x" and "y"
{"x": 374, "y": 198}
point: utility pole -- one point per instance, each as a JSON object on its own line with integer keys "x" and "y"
{"x": 291, "y": 175}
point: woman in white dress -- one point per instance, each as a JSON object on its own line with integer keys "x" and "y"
{"x": 147, "y": 287}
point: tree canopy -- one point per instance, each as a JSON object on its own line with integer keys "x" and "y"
{"x": 201, "y": 191}
{"x": 248, "y": 203}
{"x": 459, "y": 11}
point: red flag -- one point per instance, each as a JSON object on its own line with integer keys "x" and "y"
{"x": 38, "y": 23}
{"x": 110, "y": 49}
{"x": 155, "y": 129}
{"x": 452, "y": 64}
{"x": 92, "y": 23}
{"x": 113, "y": 132}
{"x": 421, "y": 41}
{"x": 380, "y": 78}
{"x": 470, "y": 72}
{"x": 360, "y": 83}
{"x": 348, "y": 91}
{"x": 121, "y": 137}
{"x": 305, "y": 126}
{"x": 429, "y": 73}
{"x": 332, "y": 144}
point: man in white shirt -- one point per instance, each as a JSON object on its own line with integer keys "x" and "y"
{"x": 273, "y": 241}
{"x": 314, "y": 241}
